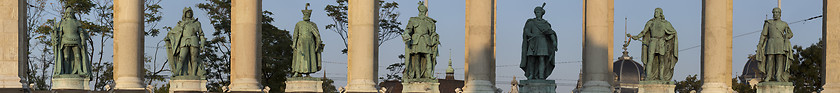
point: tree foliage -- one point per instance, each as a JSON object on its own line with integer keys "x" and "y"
{"x": 806, "y": 69}
{"x": 277, "y": 54}
{"x": 741, "y": 87}
{"x": 216, "y": 54}
{"x": 691, "y": 83}
{"x": 389, "y": 26}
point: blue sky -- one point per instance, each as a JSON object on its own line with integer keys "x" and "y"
{"x": 564, "y": 15}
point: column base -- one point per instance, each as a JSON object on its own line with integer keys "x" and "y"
{"x": 248, "y": 85}
{"x": 775, "y": 87}
{"x": 69, "y": 83}
{"x": 361, "y": 86}
{"x": 656, "y": 87}
{"x": 304, "y": 85}
{"x": 596, "y": 87}
{"x": 716, "y": 88}
{"x": 70, "y": 91}
{"x": 537, "y": 86}
{"x": 831, "y": 87}
{"x": 479, "y": 86}
{"x": 130, "y": 90}
{"x": 421, "y": 87}
{"x": 187, "y": 86}
{"x": 12, "y": 82}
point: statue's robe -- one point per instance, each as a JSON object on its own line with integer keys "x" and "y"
{"x": 772, "y": 41}
{"x": 421, "y": 38}
{"x": 538, "y": 40}
{"x": 666, "y": 45}
{"x": 178, "y": 39}
{"x": 307, "y": 48}
{"x": 63, "y": 66}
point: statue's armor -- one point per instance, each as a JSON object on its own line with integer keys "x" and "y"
{"x": 657, "y": 36}
{"x": 422, "y": 40}
{"x": 540, "y": 41}
{"x": 71, "y": 34}
{"x": 190, "y": 37}
{"x": 776, "y": 37}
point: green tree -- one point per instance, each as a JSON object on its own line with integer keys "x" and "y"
{"x": 806, "y": 69}
{"x": 277, "y": 54}
{"x": 691, "y": 83}
{"x": 328, "y": 85}
{"x": 741, "y": 87}
{"x": 389, "y": 26}
{"x": 216, "y": 53}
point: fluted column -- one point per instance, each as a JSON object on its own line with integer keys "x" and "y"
{"x": 14, "y": 41}
{"x": 246, "y": 17}
{"x": 831, "y": 36}
{"x": 717, "y": 46}
{"x": 480, "y": 46}
{"x": 128, "y": 45}
{"x": 361, "y": 50}
{"x": 598, "y": 25}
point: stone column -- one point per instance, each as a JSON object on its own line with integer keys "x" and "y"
{"x": 598, "y": 25}
{"x": 717, "y": 46}
{"x": 480, "y": 46}
{"x": 128, "y": 45}
{"x": 14, "y": 40}
{"x": 246, "y": 17}
{"x": 831, "y": 36}
{"x": 361, "y": 49}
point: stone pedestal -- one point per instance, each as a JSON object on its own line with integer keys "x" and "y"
{"x": 421, "y": 87}
{"x": 187, "y": 86}
{"x": 71, "y": 83}
{"x": 304, "y": 85}
{"x": 774, "y": 87}
{"x": 656, "y": 87}
{"x": 537, "y": 86}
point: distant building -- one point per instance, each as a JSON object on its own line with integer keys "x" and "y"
{"x": 751, "y": 74}
{"x": 447, "y": 85}
{"x": 628, "y": 73}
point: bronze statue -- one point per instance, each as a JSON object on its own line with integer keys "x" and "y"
{"x": 307, "y": 46}
{"x": 659, "y": 47}
{"x": 538, "y": 46}
{"x": 184, "y": 43}
{"x": 70, "y": 48}
{"x": 421, "y": 45}
{"x": 774, "y": 50}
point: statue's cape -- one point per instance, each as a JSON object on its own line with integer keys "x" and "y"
{"x": 760, "y": 54}
{"x": 531, "y": 24}
{"x": 671, "y": 45}
{"x": 58, "y": 47}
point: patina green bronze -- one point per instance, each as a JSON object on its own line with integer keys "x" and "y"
{"x": 774, "y": 51}
{"x": 421, "y": 43}
{"x": 538, "y": 47}
{"x": 70, "y": 48}
{"x": 307, "y": 46}
{"x": 659, "y": 47}
{"x": 184, "y": 43}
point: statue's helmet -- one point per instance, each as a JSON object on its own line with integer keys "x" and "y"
{"x": 68, "y": 12}
{"x": 188, "y": 12}
{"x": 306, "y": 12}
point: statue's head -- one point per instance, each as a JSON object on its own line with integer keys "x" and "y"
{"x": 188, "y": 13}
{"x": 658, "y": 13}
{"x": 306, "y": 12}
{"x": 777, "y": 13}
{"x": 539, "y": 11}
{"x": 422, "y": 8}
{"x": 68, "y": 12}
